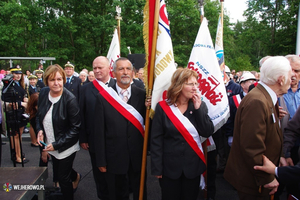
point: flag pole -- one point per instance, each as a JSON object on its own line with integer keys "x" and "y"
{"x": 119, "y": 18}
{"x": 298, "y": 34}
{"x": 149, "y": 93}
{"x": 204, "y": 145}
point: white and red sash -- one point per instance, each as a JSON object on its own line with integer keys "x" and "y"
{"x": 237, "y": 100}
{"x": 126, "y": 110}
{"x": 210, "y": 143}
{"x": 185, "y": 127}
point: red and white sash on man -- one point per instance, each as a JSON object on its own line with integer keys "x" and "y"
{"x": 185, "y": 127}
{"x": 237, "y": 100}
{"x": 128, "y": 111}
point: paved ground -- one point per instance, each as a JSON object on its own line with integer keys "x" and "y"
{"x": 86, "y": 189}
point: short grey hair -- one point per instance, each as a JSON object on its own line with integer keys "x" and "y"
{"x": 119, "y": 59}
{"x": 293, "y": 58}
{"x": 273, "y": 68}
{"x": 261, "y": 61}
{"x": 83, "y": 73}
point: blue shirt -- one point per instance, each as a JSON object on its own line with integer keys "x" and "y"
{"x": 292, "y": 100}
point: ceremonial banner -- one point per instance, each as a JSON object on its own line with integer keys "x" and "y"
{"x": 219, "y": 42}
{"x": 114, "y": 50}
{"x": 203, "y": 60}
{"x": 164, "y": 59}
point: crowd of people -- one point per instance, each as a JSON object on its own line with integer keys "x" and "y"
{"x": 257, "y": 147}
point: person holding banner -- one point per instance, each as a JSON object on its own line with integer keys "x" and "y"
{"x": 177, "y": 157}
{"x": 257, "y": 132}
{"x": 120, "y": 132}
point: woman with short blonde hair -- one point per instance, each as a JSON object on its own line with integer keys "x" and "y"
{"x": 57, "y": 124}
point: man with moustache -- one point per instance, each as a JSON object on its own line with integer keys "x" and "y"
{"x": 257, "y": 132}
{"x": 120, "y": 132}
{"x": 89, "y": 97}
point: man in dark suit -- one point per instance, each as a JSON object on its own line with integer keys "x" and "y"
{"x": 89, "y": 97}
{"x": 234, "y": 101}
{"x": 120, "y": 142}
{"x": 257, "y": 132}
{"x": 73, "y": 83}
{"x": 138, "y": 83}
{"x": 290, "y": 136}
{"x": 286, "y": 175}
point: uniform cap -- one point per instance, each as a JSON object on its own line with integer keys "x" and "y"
{"x": 32, "y": 77}
{"x": 38, "y": 71}
{"x": 16, "y": 69}
{"x": 69, "y": 65}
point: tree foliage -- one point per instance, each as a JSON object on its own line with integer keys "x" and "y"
{"x": 78, "y": 31}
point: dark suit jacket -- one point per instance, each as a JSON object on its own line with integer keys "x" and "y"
{"x": 228, "y": 127}
{"x": 291, "y": 134}
{"x": 31, "y": 90}
{"x": 171, "y": 155}
{"x": 138, "y": 83}
{"x": 74, "y": 86}
{"x": 290, "y": 174}
{"x": 119, "y": 142}
{"x": 18, "y": 97}
{"x": 255, "y": 134}
{"x": 39, "y": 85}
{"x": 88, "y": 99}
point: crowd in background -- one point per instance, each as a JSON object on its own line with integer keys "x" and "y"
{"x": 262, "y": 132}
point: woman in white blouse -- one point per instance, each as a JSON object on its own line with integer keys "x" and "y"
{"x": 58, "y": 123}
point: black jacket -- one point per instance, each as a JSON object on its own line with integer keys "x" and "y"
{"x": 171, "y": 155}
{"x": 89, "y": 98}
{"x": 119, "y": 141}
{"x": 65, "y": 118}
{"x": 31, "y": 90}
{"x": 39, "y": 85}
{"x": 74, "y": 86}
{"x": 230, "y": 122}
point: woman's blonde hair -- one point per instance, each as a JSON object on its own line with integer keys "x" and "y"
{"x": 180, "y": 76}
{"x": 51, "y": 73}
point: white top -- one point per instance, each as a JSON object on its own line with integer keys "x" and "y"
{"x": 271, "y": 92}
{"x": 49, "y": 131}
{"x": 120, "y": 89}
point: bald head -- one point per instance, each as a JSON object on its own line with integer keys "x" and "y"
{"x": 101, "y": 69}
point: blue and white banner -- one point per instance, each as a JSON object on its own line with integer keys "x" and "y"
{"x": 219, "y": 42}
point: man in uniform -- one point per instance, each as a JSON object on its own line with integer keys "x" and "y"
{"x": 40, "y": 84}
{"x": 73, "y": 83}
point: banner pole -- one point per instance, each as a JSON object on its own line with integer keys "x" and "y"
{"x": 149, "y": 93}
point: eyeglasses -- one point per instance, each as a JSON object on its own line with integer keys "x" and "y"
{"x": 192, "y": 84}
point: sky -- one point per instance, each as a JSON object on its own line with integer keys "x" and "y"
{"x": 235, "y": 9}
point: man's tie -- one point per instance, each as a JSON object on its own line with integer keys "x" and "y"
{"x": 68, "y": 81}
{"x": 125, "y": 95}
